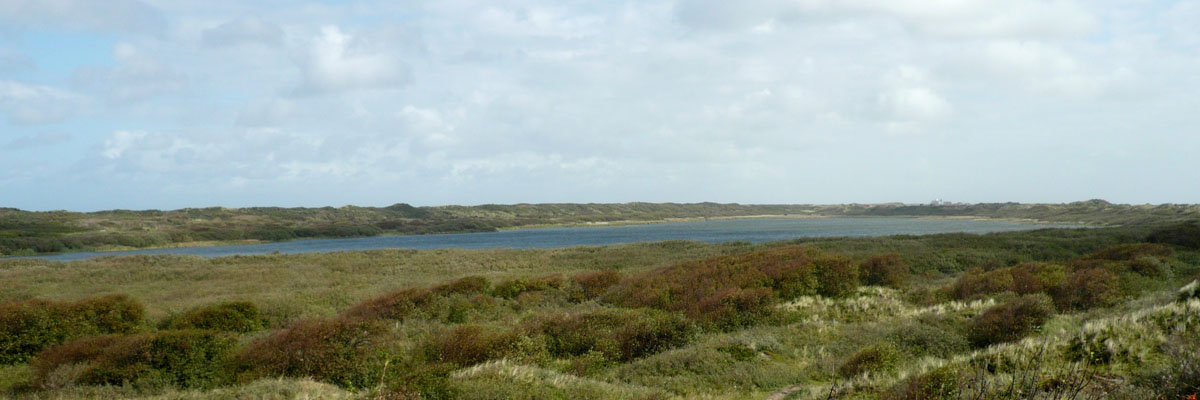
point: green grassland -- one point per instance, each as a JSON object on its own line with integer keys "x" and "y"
{"x": 28, "y": 233}
{"x": 1046, "y": 314}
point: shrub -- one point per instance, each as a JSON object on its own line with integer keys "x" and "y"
{"x": 237, "y": 316}
{"x": 1130, "y": 252}
{"x": 836, "y": 276}
{"x": 976, "y": 283}
{"x": 619, "y": 334}
{"x": 786, "y": 270}
{"x": 1184, "y": 235}
{"x": 394, "y": 305}
{"x": 938, "y": 384}
{"x": 884, "y": 270}
{"x": 336, "y": 351}
{"x": 186, "y": 358}
{"x": 512, "y": 288}
{"x": 27, "y": 327}
{"x": 1084, "y": 289}
{"x": 880, "y": 357}
{"x": 595, "y": 283}
{"x": 1030, "y": 278}
{"x": 921, "y": 339}
{"x": 1189, "y": 291}
{"x": 465, "y": 285}
{"x": 734, "y": 308}
{"x": 1010, "y": 321}
{"x": 469, "y": 344}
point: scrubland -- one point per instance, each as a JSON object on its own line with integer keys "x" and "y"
{"x": 1049, "y": 314}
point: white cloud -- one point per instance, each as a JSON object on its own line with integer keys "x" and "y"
{"x": 108, "y": 15}
{"x": 42, "y": 139}
{"x": 338, "y": 61}
{"x": 139, "y": 75}
{"x": 37, "y": 104}
{"x": 244, "y": 30}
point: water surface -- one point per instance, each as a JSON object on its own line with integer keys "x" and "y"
{"x": 713, "y": 231}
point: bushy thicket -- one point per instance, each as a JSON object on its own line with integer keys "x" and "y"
{"x": 1184, "y": 235}
{"x": 27, "y": 327}
{"x": 512, "y": 288}
{"x": 874, "y": 358}
{"x": 939, "y": 384}
{"x": 884, "y": 270}
{"x": 1099, "y": 279}
{"x": 738, "y": 290}
{"x": 466, "y": 345}
{"x": 1011, "y": 321}
{"x": 395, "y": 305}
{"x": 335, "y": 350}
{"x": 236, "y": 316}
{"x": 186, "y": 359}
{"x": 618, "y": 334}
{"x": 593, "y": 284}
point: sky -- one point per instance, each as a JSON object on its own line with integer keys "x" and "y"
{"x": 192, "y": 103}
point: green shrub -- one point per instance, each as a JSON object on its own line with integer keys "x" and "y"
{"x": 337, "y": 351}
{"x": 465, "y": 285}
{"x": 1130, "y": 252}
{"x": 938, "y": 384}
{"x": 884, "y": 270}
{"x": 27, "y": 327}
{"x": 237, "y": 316}
{"x": 595, "y": 283}
{"x": 186, "y": 358}
{"x": 875, "y": 358}
{"x": 837, "y": 276}
{"x": 920, "y": 339}
{"x": 619, "y": 334}
{"x": 469, "y": 344}
{"x": 1031, "y": 278}
{"x": 734, "y": 308}
{"x": 1189, "y": 291}
{"x": 395, "y": 305}
{"x": 1184, "y": 235}
{"x": 976, "y": 283}
{"x": 1010, "y": 321}
{"x": 1088, "y": 288}
{"x": 512, "y": 288}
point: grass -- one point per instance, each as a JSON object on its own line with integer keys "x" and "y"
{"x": 649, "y": 320}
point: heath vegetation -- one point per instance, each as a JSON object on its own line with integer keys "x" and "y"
{"x": 1049, "y": 314}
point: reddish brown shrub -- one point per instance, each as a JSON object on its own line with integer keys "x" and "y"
{"x": 394, "y": 305}
{"x": 1010, "y": 321}
{"x": 512, "y": 288}
{"x": 836, "y": 276}
{"x": 976, "y": 283}
{"x": 595, "y": 283}
{"x": 1030, "y": 278}
{"x": 1096, "y": 287}
{"x": 619, "y": 334}
{"x": 187, "y": 358}
{"x": 27, "y": 327}
{"x": 237, "y": 316}
{"x": 1130, "y": 252}
{"x": 469, "y": 344}
{"x": 789, "y": 271}
{"x": 337, "y": 351}
{"x": 939, "y": 384}
{"x": 734, "y": 308}
{"x": 884, "y": 270}
{"x": 470, "y": 284}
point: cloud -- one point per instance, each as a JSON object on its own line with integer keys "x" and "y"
{"x": 246, "y": 30}
{"x": 938, "y": 18}
{"x": 139, "y": 75}
{"x": 337, "y": 61}
{"x": 43, "y": 139}
{"x": 27, "y": 104}
{"x": 128, "y": 16}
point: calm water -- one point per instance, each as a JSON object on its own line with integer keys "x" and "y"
{"x": 749, "y": 230}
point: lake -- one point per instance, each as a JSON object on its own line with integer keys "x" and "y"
{"x": 713, "y": 231}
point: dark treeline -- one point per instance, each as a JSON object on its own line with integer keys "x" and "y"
{"x": 26, "y": 232}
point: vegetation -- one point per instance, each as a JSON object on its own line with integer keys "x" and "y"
{"x": 29, "y": 233}
{"x": 1048, "y": 314}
